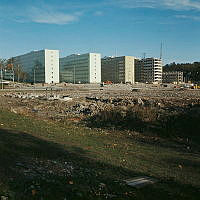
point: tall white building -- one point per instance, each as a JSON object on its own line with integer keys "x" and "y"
{"x": 40, "y": 66}
{"x": 85, "y": 68}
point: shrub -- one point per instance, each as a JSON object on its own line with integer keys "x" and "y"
{"x": 134, "y": 118}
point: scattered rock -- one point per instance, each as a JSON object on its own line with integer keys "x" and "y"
{"x": 140, "y": 102}
{"x": 138, "y": 182}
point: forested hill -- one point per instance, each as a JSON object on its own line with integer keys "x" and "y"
{"x": 191, "y": 70}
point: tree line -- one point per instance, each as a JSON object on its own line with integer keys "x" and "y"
{"x": 191, "y": 71}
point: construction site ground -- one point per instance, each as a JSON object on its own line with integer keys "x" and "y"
{"x": 83, "y": 100}
{"x": 79, "y": 141}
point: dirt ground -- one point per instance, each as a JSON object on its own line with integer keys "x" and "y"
{"x": 80, "y": 101}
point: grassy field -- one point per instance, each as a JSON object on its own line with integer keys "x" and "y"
{"x": 44, "y": 160}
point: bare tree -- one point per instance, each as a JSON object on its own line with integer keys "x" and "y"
{"x": 10, "y": 67}
{"x": 23, "y": 76}
{"x": 2, "y": 67}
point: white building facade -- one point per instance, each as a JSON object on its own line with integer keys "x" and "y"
{"x": 84, "y": 68}
{"x": 40, "y": 66}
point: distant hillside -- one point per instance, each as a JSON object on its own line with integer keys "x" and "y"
{"x": 191, "y": 71}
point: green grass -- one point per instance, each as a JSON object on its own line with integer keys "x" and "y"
{"x": 97, "y": 156}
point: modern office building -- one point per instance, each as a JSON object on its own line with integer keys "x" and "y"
{"x": 84, "y": 68}
{"x": 149, "y": 70}
{"x": 40, "y": 66}
{"x": 118, "y": 69}
{"x": 139, "y": 70}
{"x": 172, "y": 77}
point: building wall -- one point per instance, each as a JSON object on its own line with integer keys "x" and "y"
{"x": 118, "y": 69}
{"x": 51, "y": 66}
{"x": 27, "y": 62}
{"x": 39, "y": 64}
{"x": 129, "y": 69}
{"x": 173, "y": 77}
{"x": 67, "y": 69}
{"x": 139, "y": 71}
{"x": 95, "y": 68}
{"x": 113, "y": 69}
{"x": 149, "y": 70}
{"x": 158, "y": 70}
{"x": 107, "y": 71}
{"x": 85, "y": 68}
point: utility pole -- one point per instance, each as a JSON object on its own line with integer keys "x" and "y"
{"x": 13, "y": 72}
{"x": 18, "y": 73}
{"x": 35, "y": 67}
{"x": 1, "y": 78}
{"x": 34, "y": 75}
{"x": 144, "y": 55}
{"x": 2, "y": 63}
{"x": 116, "y": 52}
{"x": 74, "y": 70}
{"x": 74, "y": 74}
{"x": 161, "y": 50}
{"x": 13, "y": 77}
{"x": 10, "y": 65}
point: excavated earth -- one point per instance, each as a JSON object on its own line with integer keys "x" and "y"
{"x": 76, "y": 102}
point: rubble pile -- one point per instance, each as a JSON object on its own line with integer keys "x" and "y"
{"x": 82, "y": 101}
{"x": 41, "y": 96}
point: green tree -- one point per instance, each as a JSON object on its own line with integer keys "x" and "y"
{"x": 191, "y": 71}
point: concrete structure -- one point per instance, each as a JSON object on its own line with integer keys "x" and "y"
{"x": 172, "y": 77}
{"x": 40, "y": 66}
{"x": 139, "y": 70}
{"x": 118, "y": 69}
{"x": 85, "y": 68}
{"x": 149, "y": 70}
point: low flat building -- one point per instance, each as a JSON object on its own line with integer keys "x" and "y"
{"x": 40, "y": 66}
{"x": 84, "y": 68}
{"x": 118, "y": 69}
{"x": 8, "y": 75}
{"x": 173, "y": 77}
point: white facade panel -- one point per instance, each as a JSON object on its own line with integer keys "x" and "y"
{"x": 51, "y": 66}
{"x": 95, "y": 68}
{"x": 129, "y": 69}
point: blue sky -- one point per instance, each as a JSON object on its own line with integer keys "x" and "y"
{"x": 110, "y": 27}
